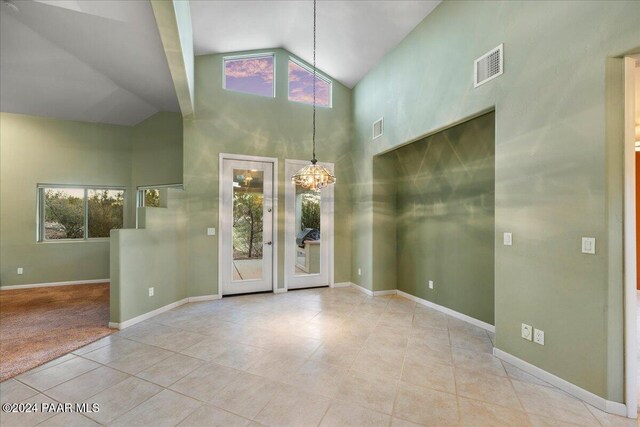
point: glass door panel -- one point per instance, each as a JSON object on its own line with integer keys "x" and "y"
{"x": 308, "y": 232}
{"x": 308, "y": 214}
{"x": 246, "y": 224}
{"x": 247, "y": 233}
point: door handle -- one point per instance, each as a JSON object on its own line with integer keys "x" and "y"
{"x": 268, "y": 243}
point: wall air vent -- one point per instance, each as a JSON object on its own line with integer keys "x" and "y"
{"x": 488, "y": 66}
{"x": 378, "y": 128}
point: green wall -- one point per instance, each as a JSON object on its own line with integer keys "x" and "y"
{"x": 237, "y": 123}
{"x": 553, "y": 164}
{"x": 155, "y": 256}
{"x": 445, "y": 218}
{"x": 157, "y": 150}
{"x": 37, "y": 150}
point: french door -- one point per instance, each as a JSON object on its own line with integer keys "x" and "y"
{"x": 246, "y": 226}
{"x": 308, "y": 232}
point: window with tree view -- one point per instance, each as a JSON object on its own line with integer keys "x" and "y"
{"x": 151, "y": 198}
{"x": 80, "y": 213}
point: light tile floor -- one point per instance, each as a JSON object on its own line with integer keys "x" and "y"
{"x": 323, "y": 357}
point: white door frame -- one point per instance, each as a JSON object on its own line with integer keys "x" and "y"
{"x": 274, "y": 161}
{"x": 291, "y": 166}
{"x": 630, "y": 274}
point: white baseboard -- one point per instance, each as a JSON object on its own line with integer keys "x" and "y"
{"x": 367, "y": 291}
{"x": 148, "y": 315}
{"x": 449, "y": 311}
{"x": 204, "y": 298}
{"x": 341, "y": 285}
{"x": 45, "y": 285}
{"x": 572, "y": 389}
{"x": 385, "y": 292}
{"x": 361, "y": 289}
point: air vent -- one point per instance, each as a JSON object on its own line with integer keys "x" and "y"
{"x": 378, "y": 128}
{"x": 488, "y": 66}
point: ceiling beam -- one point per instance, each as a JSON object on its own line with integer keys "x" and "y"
{"x": 174, "y": 24}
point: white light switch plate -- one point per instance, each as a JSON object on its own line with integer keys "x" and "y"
{"x": 151, "y": 292}
{"x": 430, "y": 284}
{"x": 359, "y": 272}
{"x": 20, "y": 270}
{"x": 508, "y": 239}
{"x": 538, "y": 336}
{"x": 589, "y": 245}
{"x": 527, "y": 332}
{"x": 211, "y": 231}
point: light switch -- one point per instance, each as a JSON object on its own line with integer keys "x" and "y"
{"x": 508, "y": 239}
{"x": 526, "y": 331}
{"x": 589, "y": 245}
{"x": 20, "y": 270}
{"x": 211, "y": 231}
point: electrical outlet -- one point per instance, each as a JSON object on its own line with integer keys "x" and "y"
{"x": 538, "y": 336}
{"x": 359, "y": 272}
{"x": 20, "y": 270}
{"x": 211, "y": 231}
{"x": 526, "y": 332}
{"x": 151, "y": 292}
{"x": 589, "y": 245}
{"x": 430, "y": 284}
{"x": 508, "y": 239}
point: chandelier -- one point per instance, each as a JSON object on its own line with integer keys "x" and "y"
{"x": 314, "y": 176}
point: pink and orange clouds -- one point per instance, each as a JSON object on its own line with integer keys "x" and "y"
{"x": 250, "y": 75}
{"x": 301, "y": 86}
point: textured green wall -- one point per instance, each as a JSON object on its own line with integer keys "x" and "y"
{"x": 232, "y": 122}
{"x": 157, "y": 150}
{"x": 445, "y": 187}
{"x": 40, "y": 150}
{"x": 152, "y": 257}
{"x": 552, "y": 184}
{"x": 384, "y": 248}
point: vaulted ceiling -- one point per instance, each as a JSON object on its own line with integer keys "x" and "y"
{"x": 94, "y": 61}
{"x": 103, "y": 60}
{"x": 352, "y": 36}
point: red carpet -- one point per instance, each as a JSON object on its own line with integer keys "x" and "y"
{"x": 40, "y": 324}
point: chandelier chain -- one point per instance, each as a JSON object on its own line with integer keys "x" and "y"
{"x": 314, "y": 82}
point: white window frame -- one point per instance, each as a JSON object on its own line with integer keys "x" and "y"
{"x": 40, "y": 211}
{"x": 248, "y": 56}
{"x": 319, "y": 75}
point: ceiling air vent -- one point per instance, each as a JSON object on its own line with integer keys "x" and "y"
{"x": 488, "y": 66}
{"x": 378, "y": 128}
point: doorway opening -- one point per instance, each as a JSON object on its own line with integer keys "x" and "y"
{"x": 632, "y": 228}
{"x": 631, "y": 100}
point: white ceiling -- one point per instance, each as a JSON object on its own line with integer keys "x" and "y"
{"x": 95, "y": 61}
{"x": 352, "y": 36}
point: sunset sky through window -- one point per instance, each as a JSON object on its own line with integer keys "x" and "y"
{"x": 301, "y": 86}
{"x": 250, "y": 75}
